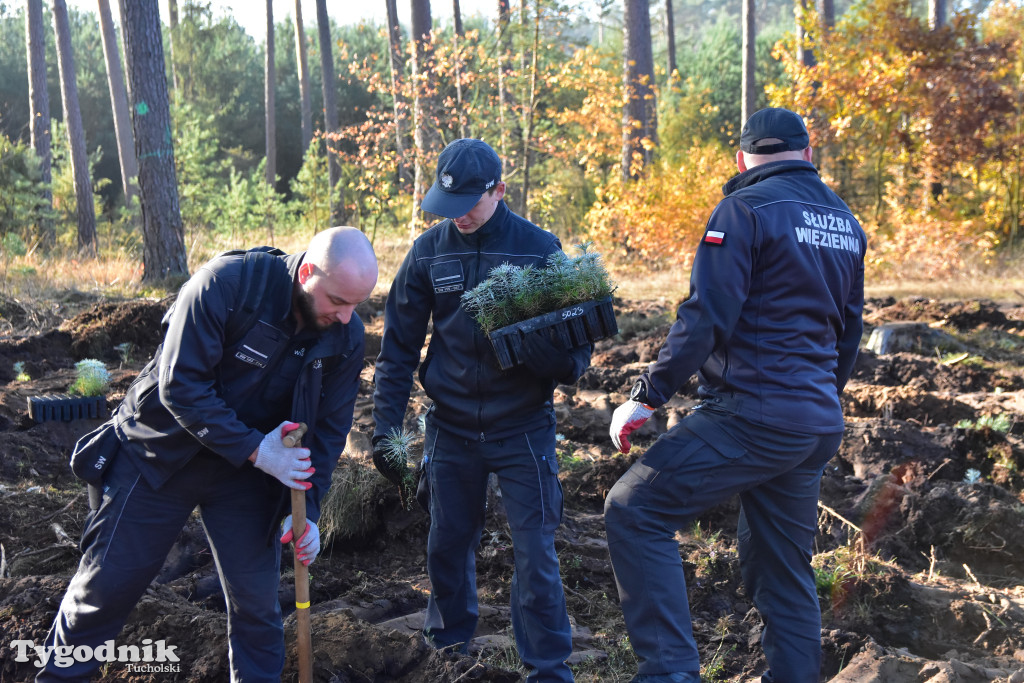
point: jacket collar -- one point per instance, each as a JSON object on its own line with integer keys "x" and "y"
{"x": 492, "y": 227}
{"x": 292, "y": 261}
{"x": 759, "y": 173}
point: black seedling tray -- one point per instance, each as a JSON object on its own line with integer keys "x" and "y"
{"x": 54, "y": 407}
{"x": 571, "y": 326}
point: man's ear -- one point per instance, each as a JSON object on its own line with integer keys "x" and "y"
{"x": 741, "y": 161}
{"x": 306, "y": 271}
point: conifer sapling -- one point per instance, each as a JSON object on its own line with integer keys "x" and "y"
{"x": 398, "y": 452}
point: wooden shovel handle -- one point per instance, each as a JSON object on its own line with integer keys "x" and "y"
{"x": 293, "y": 437}
{"x": 303, "y": 628}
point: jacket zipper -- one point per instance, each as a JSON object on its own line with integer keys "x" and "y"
{"x": 476, "y": 348}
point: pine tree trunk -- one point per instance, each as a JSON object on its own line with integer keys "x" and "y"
{"x": 528, "y": 114}
{"x": 397, "y": 64}
{"x": 163, "y": 245}
{"x": 330, "y": 113}
{"x": 302, "y": 59}
{"x": 670, "y": 39}
{"x": 936, "y": 14}
{"x": 639, "y": 115}
{"x": 76, "y": 134}
{"x": 804, "y": 51}
{"x": 507, "y": 119}
{"x": 124, "y": 57}
{"x": 748, "y": 85}
{"x": 827, "y": 14}
{"x": 421, "y": 26}
{"x": 457, "y": 39}
{"x": 118, "y": 103}
{"x": 39, "y": 103}
{"x": 270, "y": 100}
{"x": 172, "y": 15}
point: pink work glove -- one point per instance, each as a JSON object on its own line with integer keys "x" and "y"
{"x": 289, "y": 465}
{"x": 308, "y": 545}
{"x": 626, "y": 419}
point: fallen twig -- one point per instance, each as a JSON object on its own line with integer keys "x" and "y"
{"x": 838, "y": 516}
{"x": 62, "y": 510}
{"x": 39, "y": 551}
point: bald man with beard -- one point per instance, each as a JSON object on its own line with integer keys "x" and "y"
{"x": 201, "y": 428}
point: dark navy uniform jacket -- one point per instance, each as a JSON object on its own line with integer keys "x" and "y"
{"x": 472, "y": 396}
{"x": 773, "y": 321}
{"x": 195, "y": 396}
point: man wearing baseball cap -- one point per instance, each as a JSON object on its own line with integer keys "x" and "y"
{"x": 771, "y": 328}
{"x": 483, "y": 420}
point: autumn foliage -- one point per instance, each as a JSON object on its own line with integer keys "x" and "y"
{"x": 661, "y": 219}
{"x": 918, "y": 129}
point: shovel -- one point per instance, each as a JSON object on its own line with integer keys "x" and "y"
{"x": 302, "y": 626}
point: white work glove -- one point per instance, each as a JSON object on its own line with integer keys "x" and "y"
{"x": 627, "y": 418}
{"x": 308, "y": 545}
{"x": 289, "y": 465}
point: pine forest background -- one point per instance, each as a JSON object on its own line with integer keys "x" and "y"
{"x": 617, "y": 120}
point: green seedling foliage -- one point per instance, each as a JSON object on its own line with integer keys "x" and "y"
{"x": 126, "y": 351}
{"x": 512, "y": 293}
{"x": 21, "y": 375}
{"x": 997, "y": 423}
{"x": 832, "y": 582}
{"x": 398, "y": 452}
{"x": 93, "y": 378}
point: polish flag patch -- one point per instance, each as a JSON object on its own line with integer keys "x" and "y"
{"x": 714, "y": 237}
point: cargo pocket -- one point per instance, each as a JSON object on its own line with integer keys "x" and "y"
{"x": 555, "y": 510}
{"x": 713, "y": 433}
{"x": 649, "y": 468}
{"x": 689, "y": 462}
{"x": 101, "y": 523}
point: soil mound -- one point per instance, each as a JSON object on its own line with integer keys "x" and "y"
{"x": 919, "y": 557}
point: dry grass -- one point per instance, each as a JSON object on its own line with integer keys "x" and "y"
{"x": 350, "y": 508}
{"x": 54, "y": 277}
{"x": 1001, "y": 289}
{"x": 673, "y": 285}
{"x": 63, "y": 277}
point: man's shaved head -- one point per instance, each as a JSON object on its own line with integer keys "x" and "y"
{"x": 338, "y": 271}
{"x": 342, "y": 247}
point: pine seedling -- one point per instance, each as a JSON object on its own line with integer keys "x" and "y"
{"x": 398, "y": 452}
{"x": 93, "y": 378}
{"x": 21, "y": 375}
{"x": 528, "y": 294}
{"x": 512, "y": 293}
{"x": 590, "y": 274}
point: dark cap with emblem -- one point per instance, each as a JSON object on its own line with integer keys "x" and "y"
{"x": 466, "y": 169}
{"x": 780, "y": 130}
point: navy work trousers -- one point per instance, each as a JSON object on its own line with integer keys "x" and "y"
{"x": 527, "y": 471}
{"x": 706, "y": 458}
{"x": 126, "y": 541}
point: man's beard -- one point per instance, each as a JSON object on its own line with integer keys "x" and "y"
{"x": 304, "y": 302}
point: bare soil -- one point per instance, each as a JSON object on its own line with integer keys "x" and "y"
{"x": 920, "y": 551}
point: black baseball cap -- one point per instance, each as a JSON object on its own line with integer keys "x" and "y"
{"x": 466, "y": 168}
{"x": 782, "y": 130}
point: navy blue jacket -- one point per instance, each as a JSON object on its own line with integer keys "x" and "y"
{"x": 196, "y": 395}
{"x": 773, "y": 321}
{"x": 472, "y": 396}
